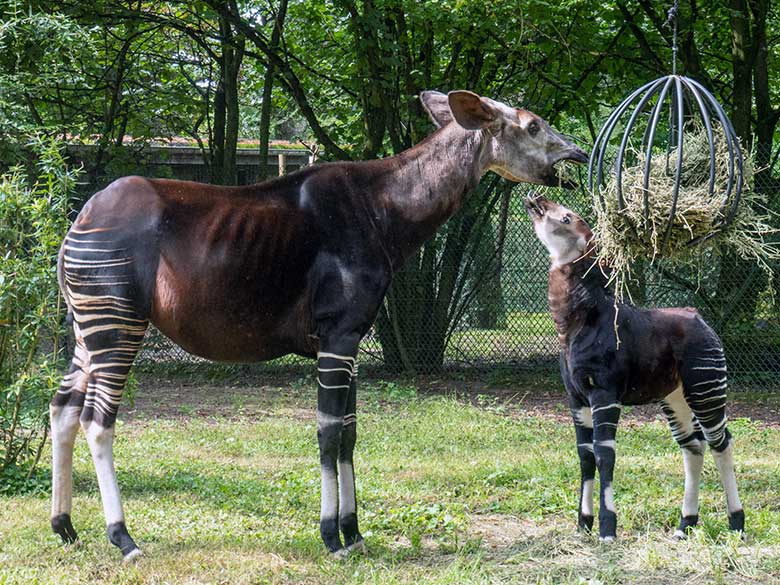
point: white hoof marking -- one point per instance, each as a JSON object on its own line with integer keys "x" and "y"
{"x": 607, "y": 539}
{"x": 344, "y": 553}
{"x": 132, "y": 556}
{"x": 679, "y": 535}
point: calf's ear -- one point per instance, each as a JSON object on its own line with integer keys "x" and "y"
{"x": 471, "y": 111}
{"x": 437, "y": 106}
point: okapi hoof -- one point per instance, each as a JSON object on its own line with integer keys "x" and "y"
{"x": 687, "y": 523}
{"x": 132, "y": 557}
{"x": 737, "y": 521}
{"x": 349, "y": 551}
{"x": 62, "y": 526}
{"x": 606, "y": 539}
{"x": 585, "y": 523}
{"x": 119, "y": 537}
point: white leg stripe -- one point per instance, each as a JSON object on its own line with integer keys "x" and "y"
{"x": 336, "y": 356}
{"x": 588, "y": 446}
{"x": 583, "y": 417}
{"x": 101, "y": 444}
{"x": 329, "y": 495}
{"x": 608, "y": 444}
{"x": 692, "y": 464}
{"x": 725, "y": 463}
{"x": 609, "y": 499}
{"x": 607, "y": 407}
{"x": 587, "y": 498}
{"x": 64, "y": 428}
{"x": 337, "y": 387}
{"x": 347, "y": 370}
{"x": 326, "y": 420}
{"x": 347, "y": 504}
{"x": 718, "y": 381}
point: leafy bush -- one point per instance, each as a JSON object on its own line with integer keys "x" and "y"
{"x": 33, "y": 221}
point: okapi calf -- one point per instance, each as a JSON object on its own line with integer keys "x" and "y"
{"x": 669, "y": 356}
{"x": 299, "y": 264}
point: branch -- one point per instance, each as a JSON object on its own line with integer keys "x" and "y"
{"x": 291, "y": 80}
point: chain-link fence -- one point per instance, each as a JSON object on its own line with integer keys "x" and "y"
{"x": 495, "y": 313}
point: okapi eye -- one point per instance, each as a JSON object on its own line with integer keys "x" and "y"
{"x": 566, "y": 219}
{"x": 533, "y": 128}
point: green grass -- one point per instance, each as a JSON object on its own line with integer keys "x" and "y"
{"x": 449, "y": 493}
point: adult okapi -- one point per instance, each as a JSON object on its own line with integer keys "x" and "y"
{"x": 299, "y": 264}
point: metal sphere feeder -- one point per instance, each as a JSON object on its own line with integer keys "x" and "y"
{"x": 673, "y": 103}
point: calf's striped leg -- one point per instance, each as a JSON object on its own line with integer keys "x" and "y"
{"x": 605, "y": 411}
{"x": 583, "y": 428}
{"x": 336, "y": 437}
{"x": 689, "y": 437}
{"x": 65, "y": 410}
{"x": 705, "y": 384}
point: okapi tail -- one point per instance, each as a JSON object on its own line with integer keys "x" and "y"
{"x": 69, "y": 346}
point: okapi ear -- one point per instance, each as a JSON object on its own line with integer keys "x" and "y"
{"x": 435, "y": 103}
{"x": 471, "y": 111}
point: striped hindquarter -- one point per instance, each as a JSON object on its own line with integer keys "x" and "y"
{"x": 98, "y": 283}
{"x": 705, "y": 382}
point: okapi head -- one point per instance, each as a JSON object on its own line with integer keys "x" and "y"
{"x": 564, "y": 233}
{"x": 520, "y": 145}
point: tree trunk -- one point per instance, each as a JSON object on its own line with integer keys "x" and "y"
{"x": 268, "y": 85}
{"x": 226, "y": 107}
{"x": 491, "y": 313}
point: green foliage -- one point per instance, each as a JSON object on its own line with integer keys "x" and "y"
{"x": 33, "y": 220}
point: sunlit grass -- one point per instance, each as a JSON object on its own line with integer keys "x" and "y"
{"x": 449, "y": 493}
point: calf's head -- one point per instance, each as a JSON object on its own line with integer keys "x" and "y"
{"x": 520, "y": 145}
{"x": 564, "y": 233}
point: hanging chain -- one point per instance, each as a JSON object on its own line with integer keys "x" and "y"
{"x": 671, "y": 18}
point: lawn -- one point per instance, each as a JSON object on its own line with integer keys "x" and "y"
{"x": 221, "y": 485}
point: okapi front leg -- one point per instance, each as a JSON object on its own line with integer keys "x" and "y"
{"x": 334, "y": 380}
{"x": 348, "y": 519}
{"x": 583, "y": 427}
{"x": 606, "y": 413}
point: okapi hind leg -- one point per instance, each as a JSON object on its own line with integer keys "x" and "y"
{"x": 111, "y": 356}
{"x": 65, "y": 410}
{"x": 109, "y": 300}
{"x": 705, "y": 390}
{"x": 687, "y": 433}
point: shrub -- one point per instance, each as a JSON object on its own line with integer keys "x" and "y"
{"x": 33, "y": 221}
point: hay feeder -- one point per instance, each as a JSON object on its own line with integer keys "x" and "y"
{"x": 656, "y": 119}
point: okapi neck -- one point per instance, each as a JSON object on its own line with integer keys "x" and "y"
{"x": 576, "y": 290}
{"x": 428, "y": 184}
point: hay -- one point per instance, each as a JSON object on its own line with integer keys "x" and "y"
{"x": 625, "y": 235}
